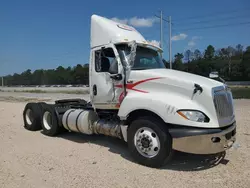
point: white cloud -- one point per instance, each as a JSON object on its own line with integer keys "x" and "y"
{"x": 142, "y": 22}
{"x": 181, "y": 36}
{"x": 154, "y": 42}
{"x": 192, "y": 42}
{"x": 196, "y": 37}
{"x": 136, "y": 22}
{"x": 122, "y": 21}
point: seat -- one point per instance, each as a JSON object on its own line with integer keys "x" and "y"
{"x": 105, "y": 64}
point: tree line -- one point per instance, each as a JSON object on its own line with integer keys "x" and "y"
{"x": 77, "y": 75}
{"x": 232, "y": 64}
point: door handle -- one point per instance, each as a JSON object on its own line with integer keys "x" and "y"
{"x": 94, "y": 90}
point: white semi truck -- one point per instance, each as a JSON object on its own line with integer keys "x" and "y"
{"x": 134, "y": 97}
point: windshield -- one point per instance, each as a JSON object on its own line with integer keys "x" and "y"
{"x": 145, "y": 58}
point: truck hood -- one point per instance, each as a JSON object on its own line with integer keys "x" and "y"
{"x": 175, "y": 78}
{"x": 177, "y": 89}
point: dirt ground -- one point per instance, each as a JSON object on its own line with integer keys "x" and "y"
{"x": 31, "y": 159}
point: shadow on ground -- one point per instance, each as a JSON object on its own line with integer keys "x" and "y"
{"x": 192, "y": 162}
{"x": 180, "y": 162}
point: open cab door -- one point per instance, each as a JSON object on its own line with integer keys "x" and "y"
{"x": 105, "y": 74}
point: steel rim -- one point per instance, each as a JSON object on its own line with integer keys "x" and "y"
{"x": 29, "y": 116}
{"x": 47, "y": 120}
{"x": 147, "y": 142}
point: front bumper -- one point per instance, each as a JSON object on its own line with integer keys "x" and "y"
{"x": 203, "y": 141}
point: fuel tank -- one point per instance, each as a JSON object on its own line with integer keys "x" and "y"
{"x": 88, "y": 122}
{"x": 79, "y": 120}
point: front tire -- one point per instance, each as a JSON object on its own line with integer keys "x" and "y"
{"x": 149, "y": 142}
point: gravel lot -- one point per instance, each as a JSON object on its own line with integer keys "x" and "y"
{"x": 31, "y": 159}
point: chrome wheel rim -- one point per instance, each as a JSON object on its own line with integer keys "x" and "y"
{"x": 29, "y": 116}
{"x": 47, "y": 120}
{"x": 147, "y": 142}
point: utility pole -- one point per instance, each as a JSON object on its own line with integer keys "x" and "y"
{"x": 161, "y": 34}
{"x": 2, "y": 81}
{"x": 170, "y": 36}
{"x": 170, "y": 42}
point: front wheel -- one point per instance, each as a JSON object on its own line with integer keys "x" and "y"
{"x": 149, "y": 142}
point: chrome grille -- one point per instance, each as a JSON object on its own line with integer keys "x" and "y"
{"x": 223, "y": 103}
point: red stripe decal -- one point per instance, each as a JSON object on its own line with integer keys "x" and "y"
{"x": 131, "y": 87}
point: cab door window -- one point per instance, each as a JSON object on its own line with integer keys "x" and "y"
{"x": 103, "y": 59}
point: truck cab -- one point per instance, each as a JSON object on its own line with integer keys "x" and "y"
{"x": 191, "y": 106}
{"x": 134, "y": 97}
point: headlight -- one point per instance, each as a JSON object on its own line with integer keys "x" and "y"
{"x": 193, "y": 115}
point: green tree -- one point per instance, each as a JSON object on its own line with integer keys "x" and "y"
{"x": 77, "y": 74}
{"x": 178, "y": 64}
{"x": 188, "y": 58}
{"x": 26, "y": 77}
{"x": 209, "y": 52}
{"x": 197, "y": 54}
{"x": 188, "y": 55}
{"x": 239, "y": 49}
{"x": 38, "y": 77}
{"x": 245, "y": 64}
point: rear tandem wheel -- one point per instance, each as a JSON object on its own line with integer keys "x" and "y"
{"x": 32, "y": 116}
{"x": 50, "y": 122}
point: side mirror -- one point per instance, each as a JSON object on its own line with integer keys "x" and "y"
{"x": 113, "y": 69}
{"x": 213, "y": 75}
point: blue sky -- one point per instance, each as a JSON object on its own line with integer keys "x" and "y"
{"x": 45, "y": 34}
